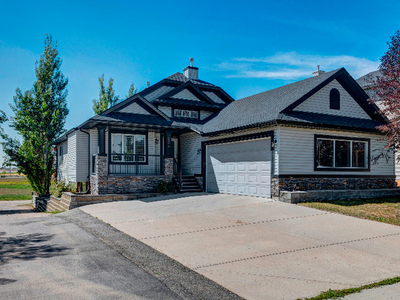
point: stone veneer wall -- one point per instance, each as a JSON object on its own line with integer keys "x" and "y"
{"x": 102, "y": 183}
{"x": 307, "y": 184}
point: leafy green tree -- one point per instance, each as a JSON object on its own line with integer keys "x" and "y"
{"x": 107, "y": 97}
{"x": 39, "y": 117}
{"x": 132, "y": 91}
{"x": 3, "y": 117}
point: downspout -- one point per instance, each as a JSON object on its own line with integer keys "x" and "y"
{"x": 87, "y": 189}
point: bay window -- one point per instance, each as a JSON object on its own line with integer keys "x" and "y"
{"x": 341, "y": 153}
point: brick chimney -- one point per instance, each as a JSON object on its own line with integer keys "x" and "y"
{"x": 318, "y": 72}
{"x": 191, "y": 72}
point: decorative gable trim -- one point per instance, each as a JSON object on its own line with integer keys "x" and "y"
{"x": 351, "y": 86}
{"x": 191, "y": 88}
{"x": 146, "y": 105}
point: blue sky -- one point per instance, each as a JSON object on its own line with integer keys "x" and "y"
{"x": 245, "y": 47}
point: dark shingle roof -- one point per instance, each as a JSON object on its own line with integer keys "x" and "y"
{"x": 263, "y": 107}
{"x": 364, "y": 81}
{"x": 330, "y": 120}
{"x": 182, "y": 78}
{"x": 120, "y": 117}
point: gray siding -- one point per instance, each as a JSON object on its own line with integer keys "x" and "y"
{"x": 135, "y": 108}
{"x": 319, "y": 103}
{"x": 190, "y": 144}
{"x": 204, "y": 114}
{"x": 296, "y": 152}
{"x": 82, "y": 148}
{"x": 157, "y": 93}
{"x": 72, "y": 157}
{"x": 397, "y": 167}
{"x": 62, "y": 162}
{"x": 166, "y": 110}
{"x": 185, "y": 94}
{"x": 214, "y": 97}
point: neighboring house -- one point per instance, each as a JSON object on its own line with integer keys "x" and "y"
{"x": 318, "y": 133}
{"x": 367, "y": 83}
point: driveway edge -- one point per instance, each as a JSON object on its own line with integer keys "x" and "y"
{"x": 180, "y": 279}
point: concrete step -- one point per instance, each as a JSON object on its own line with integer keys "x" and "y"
{"x": 191, "y": 190}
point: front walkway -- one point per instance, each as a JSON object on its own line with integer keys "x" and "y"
{"x": 258, "y": 248}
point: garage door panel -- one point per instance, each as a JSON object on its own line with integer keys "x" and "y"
{"x": 239, "y": 168}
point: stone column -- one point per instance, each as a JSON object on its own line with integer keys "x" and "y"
{"x": 169, "y": 167}
{"x": 98, "y": 181}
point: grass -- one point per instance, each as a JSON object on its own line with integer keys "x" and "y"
{"x": 14, "y": 188}
{"x": 11, "y": 197}
{"x": 337, "y": 294}
{"x": 386, "y": 210}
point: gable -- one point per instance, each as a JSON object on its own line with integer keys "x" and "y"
{"x": 134, "y": 108}
{"x": 319, "y": 103}
{"x": 158, "y": 92}
{"x": 214, "y": 97}
{"x": 186, "y": 95}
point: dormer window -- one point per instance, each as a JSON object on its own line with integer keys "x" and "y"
{"x": 334, "y": 99}
{"x": 183, "y": 113}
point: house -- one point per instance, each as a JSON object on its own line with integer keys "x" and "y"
{"x": 144, "y": 139}
{"x": 315, "y": 134}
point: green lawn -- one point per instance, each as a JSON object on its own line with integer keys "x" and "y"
{"x": 385, "y": 210}
{"x": 14, "y": 188}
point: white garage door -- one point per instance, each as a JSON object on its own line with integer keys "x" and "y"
{"x": 241, "y": 168}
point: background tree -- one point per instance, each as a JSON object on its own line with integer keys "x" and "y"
{"x": 3, "y": 117}
{"x": 107, "y": 97}
{"x": 40, "y": 115}
{"x": 386, "y": 88}
{"x": 132, "y": 91}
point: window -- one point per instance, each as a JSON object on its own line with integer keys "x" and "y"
{"x": 61, "y": 154}
{"x": 94, "y": 164}
{"x": 334, "y": 99}
{"x": 341, "y": 153}
{"x": 128, "y": 148}
{"x": 183, "y": 113}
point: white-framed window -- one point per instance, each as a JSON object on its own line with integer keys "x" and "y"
{"x": 61, "y": 154}
{"x": 128, "y": 147}
{"x": 184, "y": 113}
{"x": 341, "y": 153}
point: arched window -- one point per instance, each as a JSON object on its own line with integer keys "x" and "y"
{"x": 334, "y": 99}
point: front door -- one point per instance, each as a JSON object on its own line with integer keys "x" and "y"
{"x": 174, "y": 145}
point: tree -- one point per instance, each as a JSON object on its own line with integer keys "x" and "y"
{"x": 3, "y": 117}
{"x": 386, "y": 89}
{"x": 132, "y": 91}
{"x": 107, "y": 97}
{"x": 40, "y": 115}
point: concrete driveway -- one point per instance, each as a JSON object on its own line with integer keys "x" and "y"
{"x": 259, "y": 248}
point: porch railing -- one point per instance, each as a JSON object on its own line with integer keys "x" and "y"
{"x": 136, "y": 164}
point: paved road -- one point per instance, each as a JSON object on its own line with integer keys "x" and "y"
{"x": 258, "y": 248}
{"x": 45, "y": 256}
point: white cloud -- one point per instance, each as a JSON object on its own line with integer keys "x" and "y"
{"x": 292, "y": 65}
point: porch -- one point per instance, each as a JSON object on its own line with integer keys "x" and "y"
{"x": 131, "y": 160}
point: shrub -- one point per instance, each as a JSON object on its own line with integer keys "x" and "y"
{"x": 164, "y": 187}
{"x": 61, "y": 187}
